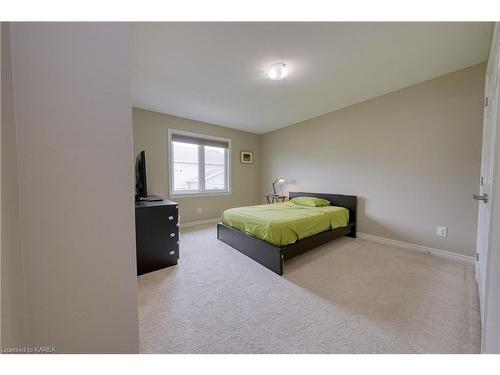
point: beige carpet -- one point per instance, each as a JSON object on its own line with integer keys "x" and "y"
{"x": 348, "y": 296}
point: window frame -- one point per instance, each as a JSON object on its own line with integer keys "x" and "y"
{"x": 201, "y": 167}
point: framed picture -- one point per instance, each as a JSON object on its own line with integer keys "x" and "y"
{"x": 246, "y": 157}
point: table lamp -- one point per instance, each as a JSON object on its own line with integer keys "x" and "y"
{"x": 280, "y": 180}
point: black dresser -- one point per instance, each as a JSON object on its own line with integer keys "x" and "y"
{"x": 157, "y": 235}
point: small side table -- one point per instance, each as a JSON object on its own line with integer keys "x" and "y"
{"x": 275, "y": 198}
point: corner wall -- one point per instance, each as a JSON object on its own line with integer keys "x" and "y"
{"x": 13, "y": 302}
{"x": 75, "y": 152}
{"x": 412, "y": 156}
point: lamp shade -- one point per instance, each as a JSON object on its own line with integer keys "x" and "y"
{"x": 280, "y": 180}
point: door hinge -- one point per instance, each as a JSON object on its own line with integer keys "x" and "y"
{"x": 477, "y": 257}
{"x": 485, "y": 102}
{"x": 482, "y": 181}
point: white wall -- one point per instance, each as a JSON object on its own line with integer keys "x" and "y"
{"x": 14, "y": 332}
{"x": 412, "y": 156}
{"x": 75, "y": 154}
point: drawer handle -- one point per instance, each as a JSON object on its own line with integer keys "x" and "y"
{"x": 170, "y": 218}
{"x": 172, "y": 252}
{"x": 172, "y": 234}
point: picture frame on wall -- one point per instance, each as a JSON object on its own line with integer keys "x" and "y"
{"x": 246, "y": 157}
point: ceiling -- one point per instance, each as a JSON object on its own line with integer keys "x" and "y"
{"x": 214, "y": 72}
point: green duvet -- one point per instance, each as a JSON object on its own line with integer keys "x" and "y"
{"x": 285, "y": 223}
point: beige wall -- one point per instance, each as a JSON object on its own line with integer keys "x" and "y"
{"x": 150, "y": 134}
{"x": 74, "y": 145}
{"x": 412, "y": 157}
{"x": 12, "y": 294}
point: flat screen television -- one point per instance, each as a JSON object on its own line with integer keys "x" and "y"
{"x": 141, "y": 185}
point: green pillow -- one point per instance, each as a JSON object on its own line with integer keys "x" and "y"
{"x": 310, "y": 201}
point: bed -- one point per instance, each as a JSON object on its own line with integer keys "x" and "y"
{"x": 272, "y": 234}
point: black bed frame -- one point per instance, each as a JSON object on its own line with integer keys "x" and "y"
{"x": 273, "y": 257}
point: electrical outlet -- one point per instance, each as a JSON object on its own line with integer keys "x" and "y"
{"x": 442, "y": 231}
{"x": 198, "y": 210}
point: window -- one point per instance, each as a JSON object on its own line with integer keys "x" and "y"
{"x": 199, "y": 164}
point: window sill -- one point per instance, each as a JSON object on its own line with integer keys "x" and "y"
{"x": 199, "y": 194}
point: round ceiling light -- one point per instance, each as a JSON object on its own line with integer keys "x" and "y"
{"x": 277, "y": 71}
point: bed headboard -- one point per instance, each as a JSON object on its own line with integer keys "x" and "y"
{"x": 347, "y": 201}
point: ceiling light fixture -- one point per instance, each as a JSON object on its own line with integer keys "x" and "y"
{"x": 277, "y": 71}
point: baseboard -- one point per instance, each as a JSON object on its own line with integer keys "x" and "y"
{"x": 370, "y": 237}
{"x": 415, "y": 247}
{"x": 199, "y": 222}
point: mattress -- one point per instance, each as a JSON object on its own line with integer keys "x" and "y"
{"x": 284, "y": 223}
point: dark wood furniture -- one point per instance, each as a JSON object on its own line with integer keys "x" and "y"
{"x": 275, "y": 198}
{"x": 273, "y": 257}
{"x": 157, "y": 235}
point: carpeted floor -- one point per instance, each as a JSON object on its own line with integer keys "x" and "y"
{"x": 348, "y": 296}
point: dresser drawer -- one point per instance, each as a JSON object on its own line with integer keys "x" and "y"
{"x": 157, "y": 236}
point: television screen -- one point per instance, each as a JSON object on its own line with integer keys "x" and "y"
{"x": 141, "y": 185}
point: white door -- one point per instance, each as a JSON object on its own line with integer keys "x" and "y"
{"x": 487, "y": 273}
{"x": 487, "y": 164}
{"x": 489, "y": 245}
